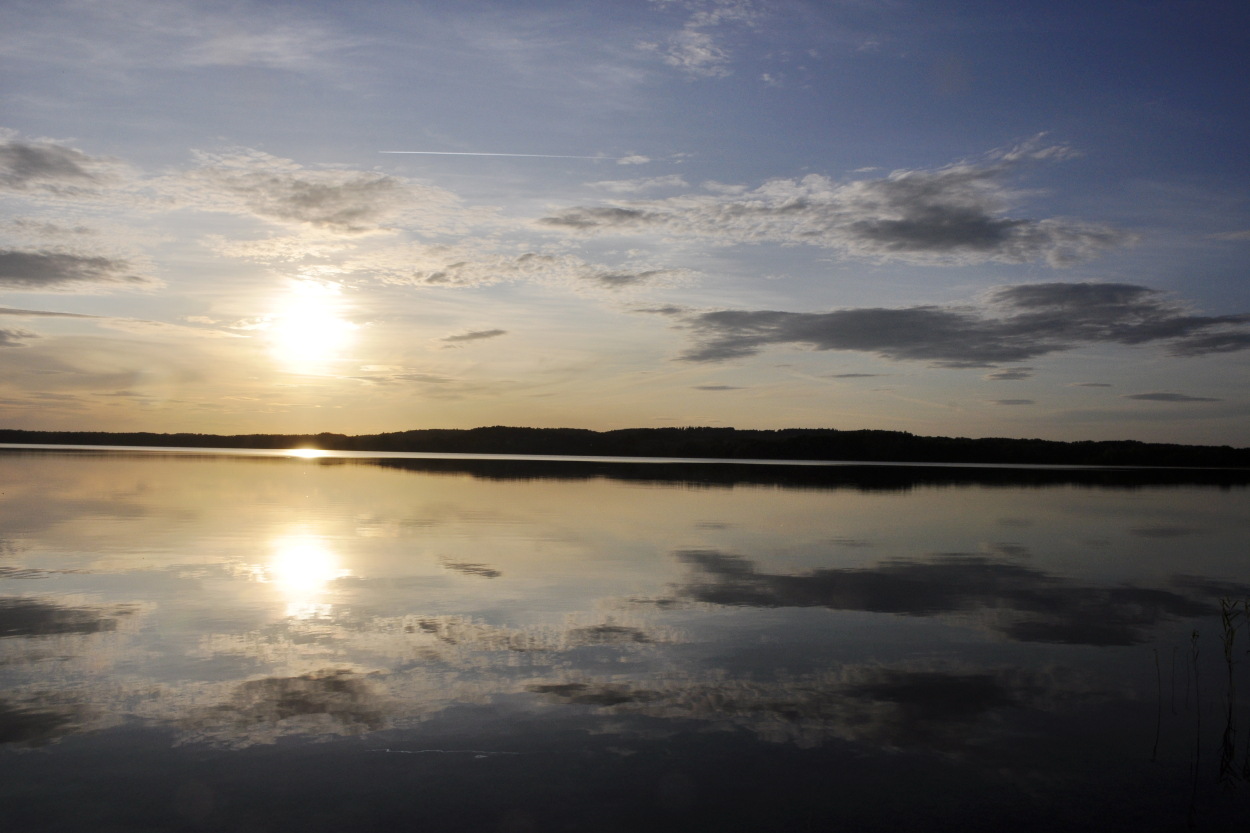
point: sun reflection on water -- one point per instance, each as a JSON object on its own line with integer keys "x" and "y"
{"x": 301, "y": 569}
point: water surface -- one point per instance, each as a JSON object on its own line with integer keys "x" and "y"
{"x": 248, "y": 642}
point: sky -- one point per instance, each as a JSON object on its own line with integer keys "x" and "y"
{"x": 950, "y": 218}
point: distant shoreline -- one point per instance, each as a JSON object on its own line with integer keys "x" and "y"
{"x": 794, "y": 444}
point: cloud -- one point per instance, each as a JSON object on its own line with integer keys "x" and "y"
{"x": 1231, "y": 235}
{"x": 24, "y": 725}
{"x": 1022, "y": 604}
{"x": 1163, "y": 531}
{"x": 1015, "y": 323}
{"x": 15, "y": 338}
{"x": 1090, "y": 385}
{"x": 466, "y": 266}
{"x": 955, "y": 710}
{"x": 633, "y": 186}
{"x": 344, "y": 202}
{"x": 607, "y": 634}
{"x": 1169, "y": 397}
{"x": 22, "y": 616}
{"x": 42, "y": 270}
{"x": 716, "y": 387}
{"x": 160, "y": 33}
{"x": 480, "y": 570}
{"x": 50, "y": 168}
{"x": 856, "y": 375}
{"x": 633, "y": 159}
{"x": 329, "y": 702}
{"x": 1013, "y": 401}
{"x": 954, "y": 216}
{"x": 1009, "y": 375}
{"x": 693, "y": 49}
{"x": 475, "y": 335}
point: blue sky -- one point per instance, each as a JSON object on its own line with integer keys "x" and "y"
{"x": 980, "y": 219}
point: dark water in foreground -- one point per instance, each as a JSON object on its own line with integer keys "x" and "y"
{"x": 212, "y": 642}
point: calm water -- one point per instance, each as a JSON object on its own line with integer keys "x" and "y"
{"x": 216, "y": 642}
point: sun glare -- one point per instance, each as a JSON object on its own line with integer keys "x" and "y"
{"x": 306, "y": 453}
{"x": 301, "y": 569}
{"x": 308, "y": 332}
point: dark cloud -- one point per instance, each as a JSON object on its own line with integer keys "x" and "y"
{"x": 23, "y": 616}
{"x": 1164, "y": 531}
{"x": 49, "y": 166}
{"x": 26, "y": 726}
{"x": 953, "y": 215}
{"x": 949, "y": 710}
{"x": 1026, "y": 605}
{"x": 481, "y": 570}
{"x": 36, "y": 270}
{"x": 856, "y": 375}
{"x": 583, "y": 694}
{"x": 475, "y": 335}
{"x": 1013, "y": 402}
{"x": 716, "y": 387}
{"x": 35, "y": 313}
{"x": 1171, "y": 397}
{"x": 1018, "y": 323}
{"x": 15, "y": 338}
{"x": 1090, "y": 385}
{"x": 1010, "y": 550}
{"x": 1009, "y": 375}
{"x": 607, "y": 634}
{"x": 345, "y": 698}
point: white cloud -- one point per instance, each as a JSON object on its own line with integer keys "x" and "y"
{"x": 696, "y": 51}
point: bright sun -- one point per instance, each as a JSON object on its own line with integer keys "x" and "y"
{"x": 308, "y": 331}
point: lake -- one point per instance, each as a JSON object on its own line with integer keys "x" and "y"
{"x": 268, "y": 642}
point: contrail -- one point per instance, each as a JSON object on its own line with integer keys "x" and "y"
{"x": 455, "y": 153}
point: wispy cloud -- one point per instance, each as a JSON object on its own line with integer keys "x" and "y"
{"x": 633, "y": 186}
{"x": 1169, "y": 397}
{"x": 472, "y": 265}
{"x": 474, "y": 335}
{"x": 694, "y": 49}
{"x": 131, "y": 34}
{"x": 1010, "y": 375}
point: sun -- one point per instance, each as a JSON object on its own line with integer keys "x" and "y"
{"x": 309, "y": 331}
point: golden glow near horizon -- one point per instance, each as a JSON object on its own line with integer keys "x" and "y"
{"x": 306, "y": 453}
{"x": 301, "y": 569}
{"x": 308, "y": 332}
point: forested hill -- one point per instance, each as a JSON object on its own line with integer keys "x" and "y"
{"x": 786, "y": 444}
